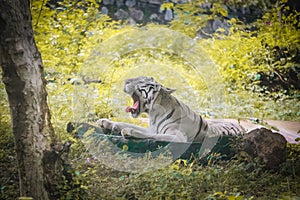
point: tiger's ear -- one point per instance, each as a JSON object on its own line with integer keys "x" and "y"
{"x": 168, "y": 90}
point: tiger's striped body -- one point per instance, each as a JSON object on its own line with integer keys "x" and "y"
{"x": 169, "y": 119}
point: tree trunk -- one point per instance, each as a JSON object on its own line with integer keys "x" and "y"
{"x": 22, "y": 73}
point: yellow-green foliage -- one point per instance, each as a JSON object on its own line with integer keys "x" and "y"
{"x": 242, "y": 53}
{"x": 65, "y": 36}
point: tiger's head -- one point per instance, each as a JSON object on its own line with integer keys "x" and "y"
{"x": 144, "y": 91}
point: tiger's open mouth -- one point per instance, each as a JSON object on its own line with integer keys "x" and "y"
{"x": 135, "y": 109}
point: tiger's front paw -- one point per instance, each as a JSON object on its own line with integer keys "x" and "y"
{"x": 105, "y": 123}
{"x": 109, "y": 125}
{"x": 127, "y": 133}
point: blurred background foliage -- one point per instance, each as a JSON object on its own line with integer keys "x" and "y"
{"x": 254, "y": 50}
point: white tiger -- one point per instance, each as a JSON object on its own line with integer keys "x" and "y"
{"x": 169, "y": 119}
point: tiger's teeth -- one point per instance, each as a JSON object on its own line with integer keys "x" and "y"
{"x": 135, "y": 105}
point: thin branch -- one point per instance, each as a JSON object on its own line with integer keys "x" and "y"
{"x": 37, "y": 20}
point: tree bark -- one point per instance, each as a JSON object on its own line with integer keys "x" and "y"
{"x": 22, "y": 73}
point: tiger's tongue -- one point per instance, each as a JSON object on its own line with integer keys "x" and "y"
{"x": 134, "y": 107}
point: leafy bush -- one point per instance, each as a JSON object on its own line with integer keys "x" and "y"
{"x": 269, "y": 44}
